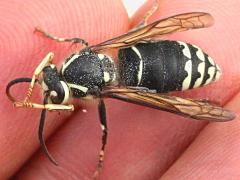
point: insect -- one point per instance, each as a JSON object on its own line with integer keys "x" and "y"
{"x": 147, "y": 69}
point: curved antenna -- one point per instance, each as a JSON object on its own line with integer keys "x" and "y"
{"x": 40, "y": 132}
{"x": 13, "y": 82}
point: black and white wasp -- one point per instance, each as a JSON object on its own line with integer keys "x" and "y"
{"x": 147, "y": 68}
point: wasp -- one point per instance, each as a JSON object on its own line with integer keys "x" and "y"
{"x": 147, "y": 69}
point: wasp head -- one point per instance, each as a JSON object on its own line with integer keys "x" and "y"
{"x": 54, "y": 86}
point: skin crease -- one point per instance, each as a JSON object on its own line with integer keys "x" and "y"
{"x": 143, "y": 143}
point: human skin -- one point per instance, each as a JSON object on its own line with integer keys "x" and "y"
{"x": 143, "y": 143}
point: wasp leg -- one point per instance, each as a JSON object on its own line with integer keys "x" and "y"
{"x": 46, "y": 60}
{"x": 103, "y": 121}
{"x": 142, "y": 89}
{"x": 48, "y": 107}
{"x": 148, "y": 14}
{"x": 59, "y": 39}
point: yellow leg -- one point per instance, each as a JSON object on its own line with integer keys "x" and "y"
{"x": 48, "y": 107}
{"x": 60, "y": 39}
{"x": 46, "y": 61}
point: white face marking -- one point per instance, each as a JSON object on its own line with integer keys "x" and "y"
{"x": 65, "y": 65}
{"x": 101, "y": 56}
{"x": 66, "y": 92}
{"x": 187, "y": 80}
{"x": 186, "y": 50}
{"x": 106, "y": 77}
{"x": 211, "y": 61}
{"x": 53, "y": 93}
{"x": 79, "y": 87}
{"x": 201, "y": 70}
{"x": 211, "y": 72}
{"x": 140, "y": 71}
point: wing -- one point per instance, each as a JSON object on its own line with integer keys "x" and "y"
{"x": 196, "y": 109}
{"x": 181, "y": 22}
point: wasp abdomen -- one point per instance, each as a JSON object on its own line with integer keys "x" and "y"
{"x": 166, "y": 66}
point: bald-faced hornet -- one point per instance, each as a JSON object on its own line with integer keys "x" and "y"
{"x": 147, "y": 69}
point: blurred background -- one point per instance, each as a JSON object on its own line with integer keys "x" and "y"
{"x": 132, "y": 5}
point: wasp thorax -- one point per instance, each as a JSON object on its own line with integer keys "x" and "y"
{"x": 87, "y": 72}
{"x": 53, "y": 85}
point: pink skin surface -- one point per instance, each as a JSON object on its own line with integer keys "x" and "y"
{"x": 143, "y": 143}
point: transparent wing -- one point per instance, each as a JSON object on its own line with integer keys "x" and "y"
{"x": 201, "y": 110}
{"x": 178, "y": 23}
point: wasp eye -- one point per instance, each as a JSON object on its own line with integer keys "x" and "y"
{"x": 52, "y": 83}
